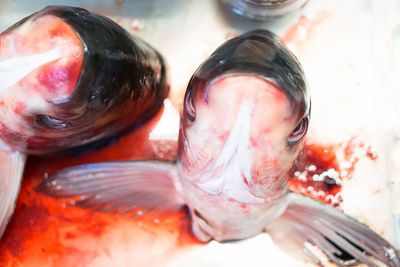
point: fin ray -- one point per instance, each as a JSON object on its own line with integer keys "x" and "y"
{"x": 117, "y": 186}
{"x": 11, "y": 170}
{"x": 334, "y": 233}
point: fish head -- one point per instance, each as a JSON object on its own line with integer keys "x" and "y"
{"x": 242, "y": 130}
{"x": 41, "y": 59}
{"x": 70, "y": 77}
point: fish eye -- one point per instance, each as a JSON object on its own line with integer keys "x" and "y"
{"x": 50, "y": 122}
{"x": 189, "y": 105}
{"x": 299, "y": 132}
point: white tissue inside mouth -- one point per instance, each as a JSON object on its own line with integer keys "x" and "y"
{"x": 14, "y": 69}
{"x": 233, "y": 165}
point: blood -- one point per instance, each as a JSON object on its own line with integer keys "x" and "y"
{"x": 57, "y": 78}
{"x": 19, "y": 107}
{"x": 300, "y": 32}
{"x": 322, "y": 168}
{"x": 309, "y": 178}
{"x": 231, "y": 35}
{"x": 61, "y": 30}
{"x": 136, "y": 25}
{"x": 33, "y": 218}
{"x": 48, "y": 232}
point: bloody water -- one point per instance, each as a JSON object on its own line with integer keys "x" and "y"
{"x": 47, "y": 232}
{"x": 322, "y": 168}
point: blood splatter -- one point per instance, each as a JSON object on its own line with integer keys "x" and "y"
{"x": 49, "y": 232}
{"x": 321, "y": 168}
{"x": 298, "y": 34}
{"x": 136, "y": 25}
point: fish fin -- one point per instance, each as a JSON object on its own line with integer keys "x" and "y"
{"x": 308, "y": 223}
{"x": 117, "y": 186}
{"x": 11, "y": 170}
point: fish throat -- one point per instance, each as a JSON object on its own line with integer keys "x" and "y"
{"x": 230, "y": 173}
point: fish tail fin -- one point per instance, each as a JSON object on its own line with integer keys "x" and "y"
{"x": 308, "y": 227}
{"x": 11, "y": 169}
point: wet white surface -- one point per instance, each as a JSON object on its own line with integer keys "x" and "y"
{"x": 351, "y": 56}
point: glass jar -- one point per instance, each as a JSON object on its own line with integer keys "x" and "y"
{"x": 264, "y": 9}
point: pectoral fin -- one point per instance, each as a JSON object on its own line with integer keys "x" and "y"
{"x": 307, "y": 222}
{"x": 120, "y": 186}
{"x": 11, "y": 170}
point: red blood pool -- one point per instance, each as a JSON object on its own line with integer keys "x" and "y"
{"x": 321, "y": 169}
{"x": 48, "y": 232}
{"x": 315, "y": 174}
{"x": 19, "y": 107}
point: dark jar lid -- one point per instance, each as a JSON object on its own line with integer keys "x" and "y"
{"x": 264, "y": 9}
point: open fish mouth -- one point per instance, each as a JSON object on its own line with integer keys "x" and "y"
{"x": 68, "y": 78}
{"x": 79, "y": 84}
{"x": 241, "y": 125}
{"x": 41, "y": 60}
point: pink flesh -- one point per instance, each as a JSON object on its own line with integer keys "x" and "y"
{"x": 55, "y": 80}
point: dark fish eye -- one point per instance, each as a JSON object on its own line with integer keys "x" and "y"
{"x": 189, "y": 105}
{"x": 50, "y": 122}
{"x": 299, "y": 132}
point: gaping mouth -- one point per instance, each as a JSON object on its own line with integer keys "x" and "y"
{"x": 237, "y": 145}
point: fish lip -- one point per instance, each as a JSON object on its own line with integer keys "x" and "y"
{"x": 258, "y": 52}
{"x": 235, "y": 73}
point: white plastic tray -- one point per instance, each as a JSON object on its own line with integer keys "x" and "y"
{"x": 351, "y": 56}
